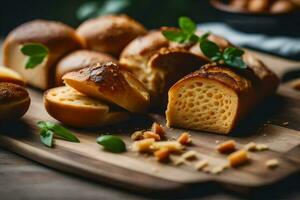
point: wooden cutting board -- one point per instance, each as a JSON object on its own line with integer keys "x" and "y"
{"x": 141, "y": 172}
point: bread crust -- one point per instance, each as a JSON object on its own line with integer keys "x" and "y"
{"x": 11, "y": 76}
{"x": 110, "y": 33}
{"x": 248, "y": 85}
{"x": 59, "y": 38}
{"x": 14, "y": 101}
{"x": 80, "y": 59}
{"x": 81, "y": 115}
{"x": 110, "y": 83}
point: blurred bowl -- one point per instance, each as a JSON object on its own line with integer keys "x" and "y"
{"x": 285, "y": 23}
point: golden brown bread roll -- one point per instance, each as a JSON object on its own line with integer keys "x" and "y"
{"x": 258, "y": 5}
{"x": 282, "y": 6}
{"x": 110, "y": 33}
{"x": 110, "y": 83}
{"x": 14, "y": 101}
{"x": 11, "y": 76}
{"x": 216, "y": 97}
{"x": 59, "y": 38}
{"x": 158, "y": 65}
{"x": 75, "y": 109}
{"x": 79, "y": 59}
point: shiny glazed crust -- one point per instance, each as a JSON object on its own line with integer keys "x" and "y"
{"x": 79, "y": 59}
{"x": 112, "y": 84}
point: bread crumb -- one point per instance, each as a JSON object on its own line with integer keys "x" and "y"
{"x": 262, "y": 147}
{"x": 227, "y": 147}
{"x": 238, "y": 158}
{"x": 158, "y": 129}
{"x": 200, "y": 165}
{"x": 143, "y": 145}
{"x": 272, "y": 163}
{"x": 177, "y": 160}
{"x": 285, "y": 123}
{"x": 172, "y": 146}
{"x": 137, "y": 135}
{"x": 251, "y": 146}
{"x": 217, "y": 170}
{"x": 162, "y": 154}
{"x": 190, "y": 155}
{"x": 184, "y": 138}
{"x": 150, "y": 134}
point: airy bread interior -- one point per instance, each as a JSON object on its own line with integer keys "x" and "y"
{"x": 75, "y": 109}
{"x": 202, "y": 104}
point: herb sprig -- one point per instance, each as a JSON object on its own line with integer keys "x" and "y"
{"x": 36, "y": 53}
{"x": 186, "y": 33}
{"x": 49, "y": 129}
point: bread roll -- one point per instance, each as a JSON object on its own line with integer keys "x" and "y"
{"x": 11, "y": 76}
{"x": 112, "y": 84}
{"x": 14, "y": 101}
{"x": 78, "y": 60}
{"x": 75, "y": 109}
{"x": 111, "y": 33}
{"x": 59, "y": 38}
{"x": 259, "y": 5}
{"x": 157, "y": 65}
{"x": 216, "y": 97}
{"x": 282, "y": 6}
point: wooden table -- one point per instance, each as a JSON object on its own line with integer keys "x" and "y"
{"x": 23, "y": 179}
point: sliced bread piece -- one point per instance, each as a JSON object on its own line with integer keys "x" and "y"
{"x": 11, "y": 76}
{"x": 75, "y": 109}
{"x": 110, "y": 83}
{"x": 215, "y": 98}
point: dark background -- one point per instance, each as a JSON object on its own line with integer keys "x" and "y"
{"x": 152, "y": 13}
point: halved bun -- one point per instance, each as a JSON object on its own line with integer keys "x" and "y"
{"x": 158, "y": 65}
{"x": 59, "y": 38}
{"x": 110, "y": 33}
{"x": 78, "y": 60}
{"x": 14, "y": 101}
{"x": 110, "y": 83}
{"x": 75, "y": 109}
{"x": 11, "y": 76}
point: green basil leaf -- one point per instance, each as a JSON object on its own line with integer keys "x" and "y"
{"x": 187, "y": 25}
{"x": 36, "y": 53}
{"x": 33, "y": 61}
{"x": 204, "y": 37}
{"x": 232, "y": 51}
{"x": 47, "y": 138}
{"x": 209, "y": 48}
{"x": 112, "y": 143}
{"x": 193, "y": 38}
{"x": 58, "y": 130}
{"x": 175, "y": 36}
{"x": 236, "y": 62}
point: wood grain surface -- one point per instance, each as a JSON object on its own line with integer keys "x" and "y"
{"x": 137, "y": 172}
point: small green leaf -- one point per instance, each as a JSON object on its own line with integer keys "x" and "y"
{"x": 193, "y": 38}
{"x": 175, "y": 36}
{"x": 204, "y": 37}
{"x": 32, "y": 62}
{"x": 209, "y": 48}
{"x": 62, "y": 132}
{"x": 232, "y": 51}
{"x": 35, "y": 49}
{"x": 112, "y": 143}
{"x": 236, "y": 62}
{"x": 47, "y": 138}
{"x": 36, "y": 53}
{"x": 187, "y": 25}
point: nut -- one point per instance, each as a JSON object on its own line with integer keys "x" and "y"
{"x": 162, "y": 154}
{"x": 184, "y": 138}
{"x": 150, "y": 134}
{"x": 143, "y": 145}
{"x": 172, "y": 146}
{"x": 227, "y": 147}
{"x": 238, "y": 158}
{"x": 158, "y": 129}
{"x": 137, "y": 135}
